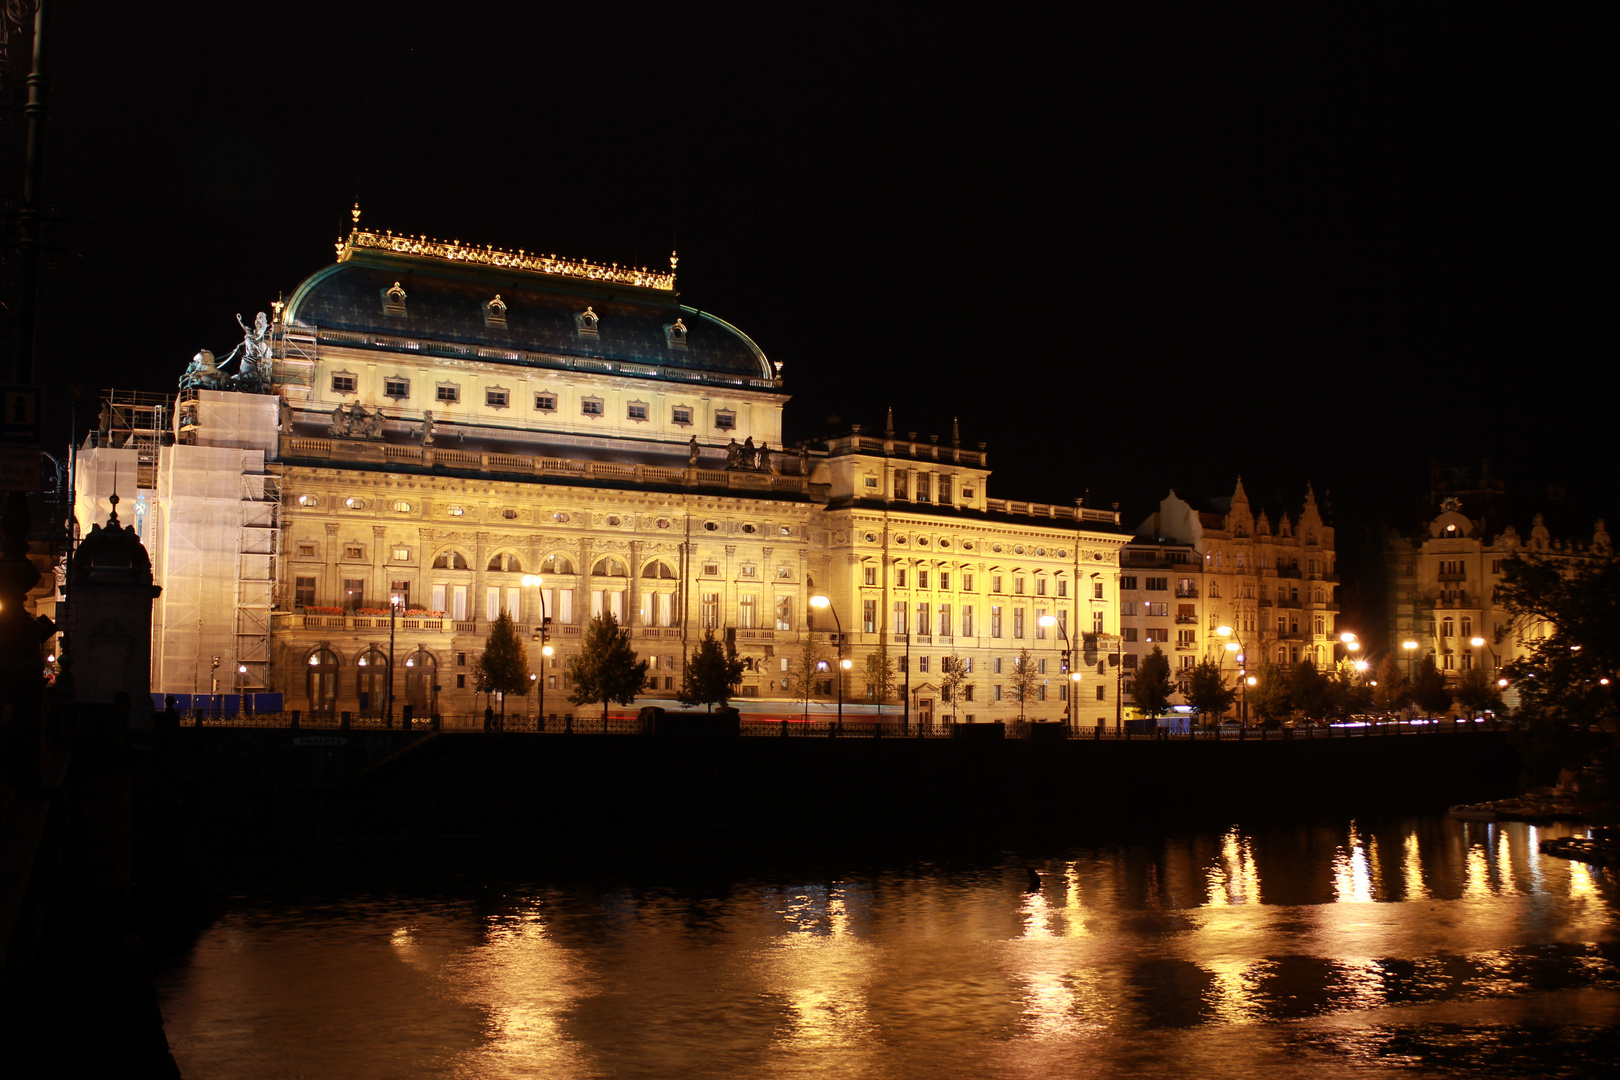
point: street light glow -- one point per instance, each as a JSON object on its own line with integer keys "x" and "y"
{"x": 818, "y": 601}
{"x": 1224, "y": 631}
{"x": 1408, "y": 645}
{"x": 1347, "y": 637}
{"x": 1046, "y": 621}
{"x": 1476, "y": 642}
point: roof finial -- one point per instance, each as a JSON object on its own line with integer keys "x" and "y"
{"x": 674, "y": 260}
{"x": 355, "y": 213}
{"x": 956, "y": 432}
{"x": 112, "y": 518}
{"x": 888, "y": 427}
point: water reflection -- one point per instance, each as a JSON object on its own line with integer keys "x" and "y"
{"x": 1299, "y": 951}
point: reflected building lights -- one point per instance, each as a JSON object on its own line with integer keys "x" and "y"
{"x": 1412, "y": 869}
{"x": 1352, "y": 876}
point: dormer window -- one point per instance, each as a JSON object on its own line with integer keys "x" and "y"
{"x": 586, "y": 322}
{"x": 394, "y": 300}
{"x": 344, "y": 382}
{"x": 497, "y": 397}
{"x": 495, "y": 312}
{"x": 725, "y": 419}
{"x": 675, "y": 335}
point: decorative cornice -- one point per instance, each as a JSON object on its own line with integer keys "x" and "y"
{"x": 422, "y": 247}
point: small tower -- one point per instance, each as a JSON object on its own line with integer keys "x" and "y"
{"x": 112, "y": 590}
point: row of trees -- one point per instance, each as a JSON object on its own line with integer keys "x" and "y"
{"x": 1338, "y": 692}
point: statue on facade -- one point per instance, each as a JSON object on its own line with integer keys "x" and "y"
{"x": 285, "y": 411}
{"x": 762, "y": 457}
{"x": 340, "y": 421}
{"x": 692, "y": 451}
{"x": 252, "y": 356}
{"x": 427, "y": 427}
{"x": 804, "y": 459}
{"x": 733, "y": 454}
{"x": 203, "y": 374}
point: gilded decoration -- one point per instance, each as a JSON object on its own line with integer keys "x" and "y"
{"x": 456, "y": 251}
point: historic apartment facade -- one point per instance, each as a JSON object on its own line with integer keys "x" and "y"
{"x": 1189, "y": 572}
{"x": 427, "y": 434}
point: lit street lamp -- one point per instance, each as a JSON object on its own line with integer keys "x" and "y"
{"x": 1235, "y": 645}
{"x": 535, "y": 581}
{"x": 818, "y": 601}
{"x": 1049, "y": 621}
{"x": 395, "y": 602}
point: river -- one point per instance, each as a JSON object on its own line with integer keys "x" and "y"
{"x": 1422, "y": 946}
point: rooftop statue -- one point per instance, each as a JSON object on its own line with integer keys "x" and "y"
{"x": 203, "y": 374}
{"x": 252, "y": 356}
{"x": 353, "y": 421}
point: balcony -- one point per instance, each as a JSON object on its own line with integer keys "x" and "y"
{"x": 1452, "y": 575}
{"x": 1187, "y": 620}
{"x": 1188, "y": 592}
{"x": 1186, "y": 646}
{"x": 1290, "y": 602}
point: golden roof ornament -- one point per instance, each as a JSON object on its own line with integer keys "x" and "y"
{"x": 421, "y": 247}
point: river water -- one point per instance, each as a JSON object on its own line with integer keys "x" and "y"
{"x": 1426, "y": 947}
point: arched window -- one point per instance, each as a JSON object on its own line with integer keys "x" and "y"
{"x": 556, "y": 564}
{"x": 371, "y": 681}
{"x": 421, "y": 673}
{"x": 450, "y": 559}
{"x": 1447, "y": 627}
{"x": 321, "y": 681}
{"x": 609, "y": 568}
{"x": 658, "y": 570}
{"x": 506, "y": 561}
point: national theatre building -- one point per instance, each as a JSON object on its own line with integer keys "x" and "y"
{"x": 426, "y": 434}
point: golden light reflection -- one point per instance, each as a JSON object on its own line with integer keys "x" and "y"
{"x": 1538, "y": 879}
{"x": 1235, "y": 879}
{"x": 1580, "y": 879}
{"x": 1230, "y": 1000}
{"x": 1503, "y": 863}
{"x": 1412, "y": 869}
{"x": 1037, "y": 916}
{"x": 1352, "y": 876}
{"x": 1477, "y": 882}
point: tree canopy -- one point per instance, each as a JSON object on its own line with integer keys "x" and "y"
{"x": 1269, "y": 696}
{"x": 1391, "y": 690}
{"x": 1570, "y": 676}
{"x": 1429, "y": 690}
{"x": 713, "y": 673}
{"x": 953, "y": 681}
{"x": 1150, "y": 686}
{"x": 880, "y": 675}
{"x": 1477, "y": 692}
{"x": 807, "y": 671}
{"x": 606, "y": 668}
{"x": 503, "y": 666}
{"x": 1023, "y": 679}
{"x": 1208, "y": 692}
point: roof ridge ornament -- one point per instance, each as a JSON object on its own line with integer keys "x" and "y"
{"x": 422, "y": 247}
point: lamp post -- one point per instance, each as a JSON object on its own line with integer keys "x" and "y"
{"x": 1235, "y": 644}
{"x": 535, "y": 581}
{"x": 1409, "y": 647}
{"x": 241, "y": 698}
{"x": 818, "y": 602}
{"x": 1049, "y": 621}
{"x": 395, "y": 602}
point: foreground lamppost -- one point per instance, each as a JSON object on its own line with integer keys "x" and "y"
{"x": 543, "y": 633}
{"x": 1049, "y": 621}
{"x": 1409, "y": 647}
{"x": 1236, "y": 645}
{"x": 395, "y": 602}
{"x": 818, "y": 602}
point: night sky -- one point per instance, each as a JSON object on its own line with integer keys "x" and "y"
{"x": 1129, "y": 250}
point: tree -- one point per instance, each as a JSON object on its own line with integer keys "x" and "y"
{"x": 1268, "y": 697}
{"x": 953, "y": 681}
{"x": 880, "y": 675}
{"x": 1348, "y": 693}
{"x": 712, "y": 674}
{"x": 1477, "y": 692}
{"x": 1308, "y": 689}
{"x": 807, "y": 671}
{"x": 1208, "y": 692}
{"x": 1429, "y": 691}
{"x": 1151, "y": 684}
{"x": 1390, "y": 691}
{"x": 606, "y": 668}
{"x": 1023, "y": 679}
{"x": 1566, "y": 615}
{"x": 503, "y": 666}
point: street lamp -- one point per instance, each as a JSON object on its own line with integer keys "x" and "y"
{"x": 1409, "y": 647}
{"x": 535, "y": 581}
{"x": 1236, "y": 645}
{"x": 818, "y": 602}
{"x": 395, "y": 602}
{"x": 1049, "y": 621}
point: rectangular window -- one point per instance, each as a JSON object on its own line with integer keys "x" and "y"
{"x": 1063, "y": 586}
{"x": 996, "y": 692}
{"x": 1127, "y": 633}
{"x": 784, "y": 613}
{"x": 1096, "y": 622}
{"x": 944, "y": 579}
{"x": 636, "y": 410}
{"x": 306, "y": 551}
{"x": 1130, "y": 661}
{"x": 711, "y": 611}
{"x": 898, "y": 626}
{"x": 871, "y": 481}
{"x": 995, "y": 583}
{"x": 1040, "y": 692}
{"x": 1040, "y": 666}
{"x": 922, "y": 664}
{"x": 1102, "y": 692}
{"x": 545, "y": 402}
{"x": 458, "y": 603}
{"x": 967, "y": 582}
{"x": 345, "y": 384}
{"x": 899, "y": 577}
{"x": 900, "y": 484}
{"x": 1018, "y": 622}
{"x": 304, "y": 591}
{"x": 1184, "y": 639}
{"x": 497, "y": 399}
{"x": 922, "y": 579}
{"x": 590, "y": 407}
{"x": 447, "y": 395}
{"x": 402, "y": 554}
{"x": 680, "y": 414}
{"x": 354, "y": 551}
{"x": 1128, "y": 581}
{"x": 1096, "y": 590}
{"x": 396, "y": 388}
{"x": 725, "y": 419}
{"x": 967, "y": 620}
{"x": 922, "y": 619}
{"x": 869, "y": 616}
{"x": 401, "y": 589}
{"x": 1040, "y": 586}
{"x": 1156, "y": 633}
{"x": 1040, "y": 631}
{"x": 868, "y": 575}
{"x": 945, "y": 620}
{"x": 995, "y": 620}
{"x": 1018, "y": 586}
{"x": 1156, "y": 584}
{"x": 1157, "y": 609}
{"x": 746, "y": 612}
{"x": 922, "y": 487}
{"x": 944, "y": 489}
{"x": 354, "y": 592}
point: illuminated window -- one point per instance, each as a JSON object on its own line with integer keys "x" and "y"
{"x": 397, "y": 388}
{"x": 345, "y": 384}
{"x": 447, "y": 394}
{"x": 497, "y": 399}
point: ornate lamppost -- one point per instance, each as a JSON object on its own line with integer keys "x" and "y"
{"x": 818, "y": 601}
{"x": 543, "y": 633}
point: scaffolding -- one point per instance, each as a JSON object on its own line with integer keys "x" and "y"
{"x": 292, "y": 359}
{"x": 257, "y": 547}
{"x": 135, "y": 420}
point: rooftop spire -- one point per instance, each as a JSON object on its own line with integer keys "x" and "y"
{"x": 956, "y": 432}
{"x": 888, "y": 427}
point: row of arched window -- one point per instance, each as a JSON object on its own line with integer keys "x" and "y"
{"x": 509, "y": 563}
{"x": 326, "y": 675}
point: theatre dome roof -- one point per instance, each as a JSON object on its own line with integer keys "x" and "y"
{"x": 407, "y": 293}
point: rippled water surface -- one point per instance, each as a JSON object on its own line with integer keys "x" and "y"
{"x": 1427, "y": 948}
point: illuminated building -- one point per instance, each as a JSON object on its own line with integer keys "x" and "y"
{"x": 437, "y": 421}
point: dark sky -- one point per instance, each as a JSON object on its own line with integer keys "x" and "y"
{"x": 1128, "y": 250}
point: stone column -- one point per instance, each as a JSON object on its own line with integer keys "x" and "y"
{"x": 582, "y": 602}
{"x": 379, "y": 566}
{"x": 332, "y": 591}
{"x": 480, "y": 560}
{"x": 632, "y": 604}
{"x": 424, "y": 566}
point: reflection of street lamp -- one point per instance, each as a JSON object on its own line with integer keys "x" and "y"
{"x": 535, "y": 581}
{"x": 818, "y": 601}
{"x": 1235, "y": 645}
{"x": 1049, "y": 621}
